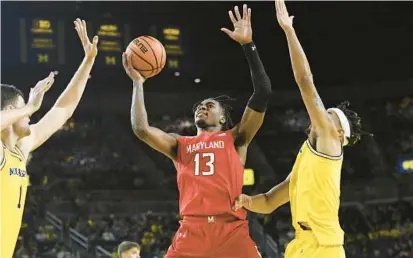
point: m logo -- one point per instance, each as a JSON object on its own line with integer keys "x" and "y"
{"x": 110, "y": 60}
{"x": 42, "y": 58}
{"x": 211, "y": 219}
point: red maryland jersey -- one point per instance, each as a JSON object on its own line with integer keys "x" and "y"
{"x": 210, "y": 175}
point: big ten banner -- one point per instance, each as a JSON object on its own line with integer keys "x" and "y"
{"x": 42, "y": 41}
{"x": 113, "y": 38}
{"x": 171, "y": 38}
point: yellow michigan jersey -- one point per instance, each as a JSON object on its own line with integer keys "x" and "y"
{"x": 13, "y": 183}
{"x": 315, "y": 196}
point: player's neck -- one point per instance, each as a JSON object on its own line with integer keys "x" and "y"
{"x": 9, "y": 138}
{"x": 208, "y": 130}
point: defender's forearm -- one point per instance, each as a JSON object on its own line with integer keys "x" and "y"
{"x": 270, "y": 201}
{"x": 71, "y": 96}
{"x": 300, "y": 65}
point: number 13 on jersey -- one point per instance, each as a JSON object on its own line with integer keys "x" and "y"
{"x": 208, "y": 159}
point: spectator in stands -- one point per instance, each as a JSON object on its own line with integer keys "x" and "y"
{"x": 129, "y": 250}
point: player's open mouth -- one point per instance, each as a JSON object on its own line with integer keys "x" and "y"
{"x": 201, "y": 114}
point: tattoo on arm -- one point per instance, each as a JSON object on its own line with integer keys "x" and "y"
{"x": 319, "y": 104}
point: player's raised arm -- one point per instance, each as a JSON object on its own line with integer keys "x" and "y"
{"x": 10, "y": 114}
{"x": 267, "y": 202}
{"x": 157, "y": 139}
{"x": 253, "y": 116}
{"x": 67, "y": 102}
{"x": 302, "y": 73}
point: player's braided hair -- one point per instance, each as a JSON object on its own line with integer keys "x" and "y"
{"x": 355, "y": 123}
{"x": 223, "y": 101}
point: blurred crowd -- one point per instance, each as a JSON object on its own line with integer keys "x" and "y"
{"x": 100, "y": 153}
{"x": 152, "y": 232}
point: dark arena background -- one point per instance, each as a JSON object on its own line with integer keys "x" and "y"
{"x": 94, "y": 184}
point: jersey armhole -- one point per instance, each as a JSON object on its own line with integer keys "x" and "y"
{"x": 179, "y": 141}
{"x": 323, "y": 155}
{"x": 3, "y": 160}
{"x": 20, "y": 152}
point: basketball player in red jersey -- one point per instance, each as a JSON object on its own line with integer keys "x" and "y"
{"x": 210, "y": 165}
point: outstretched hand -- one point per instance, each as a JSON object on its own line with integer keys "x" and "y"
{"x": 91, "y": 49}
{"x": 37, "y": 93}
{"x": 242, "y": 32}
{"x": 285, "y": 21}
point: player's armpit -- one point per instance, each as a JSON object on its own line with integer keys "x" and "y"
{"x": 244, "y": 132}
{"x": 159, "y": 140}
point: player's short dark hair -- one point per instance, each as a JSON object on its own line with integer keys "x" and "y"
{"x": 9, "y": 94}
{"x": 355, "y": 123}
{"x": 223, "y": 102}
{"x": 126, "y": 246}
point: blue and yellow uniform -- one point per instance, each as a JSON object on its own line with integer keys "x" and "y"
{"x": 13, "y": 183}
{"x": 315, "y": 200}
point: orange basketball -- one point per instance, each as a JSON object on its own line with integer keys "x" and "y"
{"x": 148, "y": 55}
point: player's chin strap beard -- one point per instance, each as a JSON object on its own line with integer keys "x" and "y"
{"x": 202, "y": 124}
{"x": 345, "y": 124}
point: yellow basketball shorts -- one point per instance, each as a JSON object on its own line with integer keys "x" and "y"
{"x": 306, "y": 246}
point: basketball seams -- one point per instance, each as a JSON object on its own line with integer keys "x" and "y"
{"x": 136, "y": 53}
{"x": 162, "y": 64}
{"x": 131, "y": 48}
{"x": 153, "y": 52}
{"x": 154, "y": 64}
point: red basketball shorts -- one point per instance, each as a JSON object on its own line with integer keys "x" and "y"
{"x": 213, "y": 237}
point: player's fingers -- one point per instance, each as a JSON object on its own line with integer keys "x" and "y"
{"x": 129, "y": 57}
{"x": 78, "y": 24}
{"x": 237, "y": 14}
{"x": 79, "y": 30}
{"x": 95, "y": 41}
{"x": 249, "y": 15}
{"x": 231, "y": 16}
{"x": 244, "y": 12}
{"x": 48, "y": 85}
{"x": 41, "y": 84}
{"x": 227, "y": 31}
{"x": 84, "y": 27}
{"x": 236, "y": 205}
{"x": 277, "y": 8}
{"x": 124, "y": 60}
{"x": 283, "y": 7}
